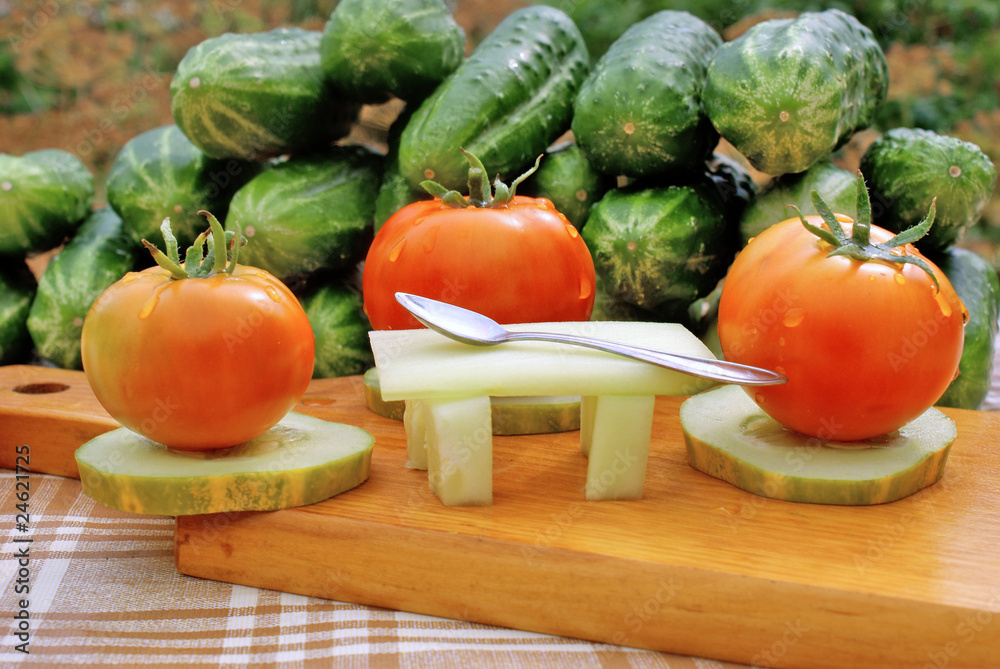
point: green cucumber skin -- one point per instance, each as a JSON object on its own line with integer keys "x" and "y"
{"x": 823, "y": 72}
{"x": 569, "y": 180}
{"x": 505, "y": 104}
{"x": 373, "y": 48}
{"x": 160, "y": 174}
{"x": 976, "y": 283}
{"x": 257, "y": 95}
{"x": 308, "y": 213}
{"x": 639, "y": 111}
{"x": 16, "y": 295}
{"x": 340, "y": 329}
{"x": 837, "y": 186}
{"x": 658, "y": 249}
{"x": 44, "y": 195}
{"x": 112, "y": 471}
{"x": 907, "y": 168}
{"x": 99, "y": 254}
{"x": 729, "y": 437}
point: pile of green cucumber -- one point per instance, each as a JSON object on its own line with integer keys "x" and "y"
{"x": 668, "y": 147}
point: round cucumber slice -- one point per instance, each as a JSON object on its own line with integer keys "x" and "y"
{"x": 301, "y": 460}
{"x": 729, "y": 437}
{"x": 511, "y": 416}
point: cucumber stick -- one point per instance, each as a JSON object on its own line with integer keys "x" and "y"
{"x": 639, "y": 111}
{"x": 505, "y": 104}
{"x": 415, "y": 364}
{"x": 729, "y": 437}
{"x": 788, "y": 92}
{"x": 301, "y": 460}
{"x": 446, "y": 387}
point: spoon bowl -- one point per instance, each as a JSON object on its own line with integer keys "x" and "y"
{"x": 470, "y": 327}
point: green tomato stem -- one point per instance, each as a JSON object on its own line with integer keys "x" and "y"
{"x": 859, "y": 245}
{"x": 480, "y": 194}
{"x": 213, "y": 251}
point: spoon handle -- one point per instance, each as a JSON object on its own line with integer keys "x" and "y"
{"x": 705, "y": 368}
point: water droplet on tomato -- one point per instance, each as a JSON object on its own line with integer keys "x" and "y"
{"x": 150, "y": 304}
{"x": 943, "y": 304}
{"x": 396, "y": 250}
{"x": 781, "y": 342}
{"x": 419, "y": 220}
{"x": 585, "y": 288}
{"x": 793, "y": 317}
{"x": 430, "y": 239}
{"x": 899, "y": 278}
{"x": 758, "y": 398}
{"x": 572, "y": 231}
{"x": 272, "y": 293}
{"x": 130, "y": 277}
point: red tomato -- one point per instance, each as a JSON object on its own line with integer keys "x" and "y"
{"x": 867, "y": 346}
{"x": 521, "y": 261}
{"x": 198, "y": 363}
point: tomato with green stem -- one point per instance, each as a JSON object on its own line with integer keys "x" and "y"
{"x": 200, "y": 354}
{"x": 868, "y": 331}
{"x": 514, "y": 258}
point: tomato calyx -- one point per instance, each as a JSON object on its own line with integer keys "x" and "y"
{"x": 859, "y": 245}
{"x": 481, "y": 195}
{"x": 200, "y": 260}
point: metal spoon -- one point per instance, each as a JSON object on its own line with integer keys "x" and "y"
{"x": 473, "y": 328}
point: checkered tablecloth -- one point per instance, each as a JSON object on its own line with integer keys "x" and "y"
{"x": 103, "y": 591}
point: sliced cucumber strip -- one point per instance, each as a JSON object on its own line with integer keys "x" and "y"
{"x": 729, "y": 437}
{"x": 459, "y": 442}
{"x": 301, "y": 460}
{"x": 511, "y": 415}
{"x": 614, "y": 435}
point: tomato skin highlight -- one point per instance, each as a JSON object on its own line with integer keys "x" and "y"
{"x": 198, "y": 363}
{"x": 866, "y": 346}
{"x": 521, "y": 262}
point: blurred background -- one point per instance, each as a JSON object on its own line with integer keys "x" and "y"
{"x": 87, "y": 76}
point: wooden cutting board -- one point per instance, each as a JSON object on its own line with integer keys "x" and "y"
{"x": 697, "y": 567}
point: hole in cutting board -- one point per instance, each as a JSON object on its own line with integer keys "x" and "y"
{"x": 41, "y": 388}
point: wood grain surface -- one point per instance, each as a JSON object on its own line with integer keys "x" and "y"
{"x": 697, "y": 567}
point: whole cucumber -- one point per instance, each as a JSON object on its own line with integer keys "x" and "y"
{"x": 639, "y": 111}
{"x": 505, "y": 104}
{"x": 100, "y": 253}
{"x": 975, "y": 281}
{"x": 788, "y": 92}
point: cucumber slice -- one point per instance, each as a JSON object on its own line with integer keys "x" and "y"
{"x": 729, "y": 437}
{"x": 301, "y": 460}
{"x": 511, "y": 415}
{"x": 421, "y": 363}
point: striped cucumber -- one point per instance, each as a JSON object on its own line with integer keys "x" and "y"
{"x": 257, "y": 95}
{"x": 161, "y": 174}
{"x": 309, "y": 213}
{"x": 375, "y": 48}
{"x": 506, "y": 103}
{"x": 639, "y": 111}
{"x": 788, "y": 92}
{"x": 44, "y": 195}
{"x": 99, "y": 254}
{"x": 907, "y": 168}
